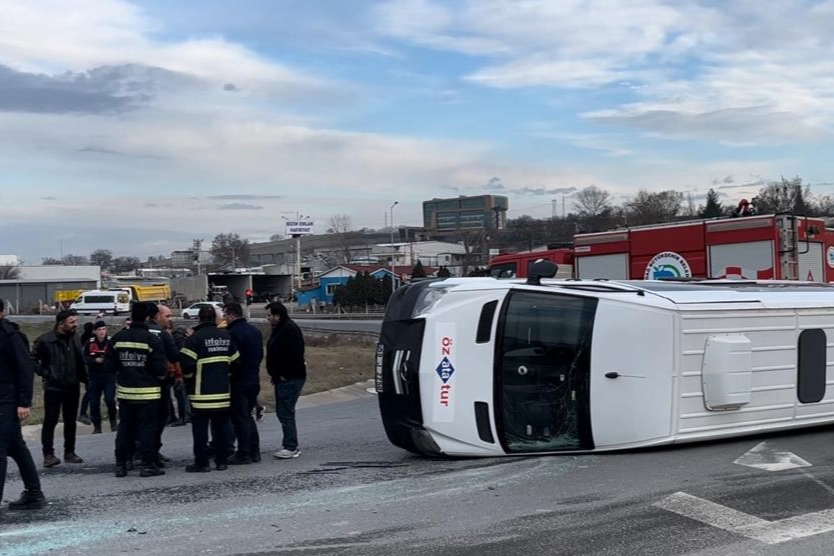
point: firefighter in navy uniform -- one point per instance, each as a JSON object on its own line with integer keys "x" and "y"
{"x": 138, "y": 358}
{"x": 208, "y": 359}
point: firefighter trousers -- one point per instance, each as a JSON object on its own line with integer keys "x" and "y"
{"x": 137, "y": 424}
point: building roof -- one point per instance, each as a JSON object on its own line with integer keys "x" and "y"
{"x": 46, "y": 281}
{"x": 399, "y": 269}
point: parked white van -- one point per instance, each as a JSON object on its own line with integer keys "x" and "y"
{"x": 113, "y": 302}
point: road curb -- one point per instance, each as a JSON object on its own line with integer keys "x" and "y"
{"x": 345, "y": 393}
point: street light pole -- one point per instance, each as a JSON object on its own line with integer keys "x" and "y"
{"x": 393, "y": 265}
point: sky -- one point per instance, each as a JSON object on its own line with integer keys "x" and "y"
{"x": 137, "y": 126}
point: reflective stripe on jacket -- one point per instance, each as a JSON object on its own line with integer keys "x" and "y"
{"x": 207, "y": 359}
{"x": 138, "y": 358}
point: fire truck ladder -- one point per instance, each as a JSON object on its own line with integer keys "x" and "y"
{"x": 789, "y": 246}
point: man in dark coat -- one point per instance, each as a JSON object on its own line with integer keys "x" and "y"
{"x": 61, "y": 363}
{"x": 246, "y": 384}
{"x": 16, "y": 390}
{"x": 288, "y": 370}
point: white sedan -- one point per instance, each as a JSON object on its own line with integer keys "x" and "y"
{"x": 191, "y": 312}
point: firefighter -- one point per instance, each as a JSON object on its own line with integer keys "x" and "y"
{"x": 743, "y": 209}
{"x": 138, "y": 358}
{"x": 208, "y": 358}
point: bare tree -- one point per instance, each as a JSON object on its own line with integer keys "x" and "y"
{"x": 591, "y": 202}
{"x": 230, "y": 249}
{"x": 75, "y": 260}
{"x": 825, "y": 205}
{"x": 9, "y": 272}
{"x": 341, "y": 226}
{"x": 783, "y": 196}
{"x": 102, "y": 258}
{"x": 653, "y": 208}
{"x": 593, "y": 208}
{"x": 126, "y": 264}
{"x": 473, "y": 247}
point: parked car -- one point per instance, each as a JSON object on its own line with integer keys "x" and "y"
{"x": 193, "y": 310}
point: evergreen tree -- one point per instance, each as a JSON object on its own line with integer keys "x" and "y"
{"x": 385, "y": 291}
{"x": 418, "y": 271}
{"x": 712, "y": 208}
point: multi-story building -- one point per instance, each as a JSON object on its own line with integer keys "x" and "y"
{"x": 481, "y": 212}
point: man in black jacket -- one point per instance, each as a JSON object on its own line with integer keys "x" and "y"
{"x": 286, "y": 366}
{"x": 138, "y": 358}
{"x": 161, "y": 323}
{"x": 16, "y": 389}
{"x": 246, "y": 384}
{"x": 61, "y": 363}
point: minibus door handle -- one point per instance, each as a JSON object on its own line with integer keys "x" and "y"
{"x": 612, "y": 374}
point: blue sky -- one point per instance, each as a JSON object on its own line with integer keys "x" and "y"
{"x": 136, "y": 126}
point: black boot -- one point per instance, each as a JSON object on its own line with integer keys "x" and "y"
{"x": 150, "y": 471}
{"x": 113, "y": 424}
{"x": 121, "y": 469}
{"x": 29, "y": 500}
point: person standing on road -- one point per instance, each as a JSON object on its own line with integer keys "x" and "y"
{"x": 138, "y": 358}
{"x": 208, "y": 358}
{"x": 161, "y": 323}
{"x": 83, "y": 416}
{"x": 102, "y": 379}
{"x": 16, "y": 390}
{"x": 183, "y": 409}
{"x": 286, "y": 366}
{"x": 60, "y": 358}
{"x": 246, "y": 384}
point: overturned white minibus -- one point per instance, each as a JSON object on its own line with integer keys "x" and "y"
{"x": 485, "y": 367}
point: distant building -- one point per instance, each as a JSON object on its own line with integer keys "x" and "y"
{"x": 186, "y": 258}
{"x": 481, "y": 212}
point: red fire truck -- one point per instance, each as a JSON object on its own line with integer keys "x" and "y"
{"x": 779, "y": 246}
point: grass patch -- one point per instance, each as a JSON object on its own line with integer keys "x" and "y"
{"x": 333, "y": 361}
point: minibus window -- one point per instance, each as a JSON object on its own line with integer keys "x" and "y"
{"x": 544, "y": 372}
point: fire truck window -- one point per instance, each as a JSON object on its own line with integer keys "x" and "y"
{"x": 506, "y": 270}
{"x": 811, "y": 365}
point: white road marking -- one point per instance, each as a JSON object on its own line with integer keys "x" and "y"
{"x": 752, "y": 527}
{"x": 371, "y": 390}
{"x": 768, "y": 458}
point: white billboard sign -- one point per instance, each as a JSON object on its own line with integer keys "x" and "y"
{"x": 300, "y": 228}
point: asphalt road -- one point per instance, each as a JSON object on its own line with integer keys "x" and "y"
{"x": 351, "y": 492}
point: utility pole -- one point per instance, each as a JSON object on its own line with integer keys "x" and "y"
{"x": 196, "y": 247}
{"x": 393, "y": 265}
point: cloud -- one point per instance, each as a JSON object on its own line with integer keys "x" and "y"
{"x": 735, "y": 126}
{"x": 243, "y": 197}
{"x": 112, "y": 152}
{"x": 104, "y": 90}
{"x": 240, "y": 206}
{"x": 610, "y": 145}
{"x": 49, "y": 198}
{"x": 732, "y": 74}
{"x": 36, "y": 38}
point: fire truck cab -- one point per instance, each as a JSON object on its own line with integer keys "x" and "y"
{"x": 778, "y": 246}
